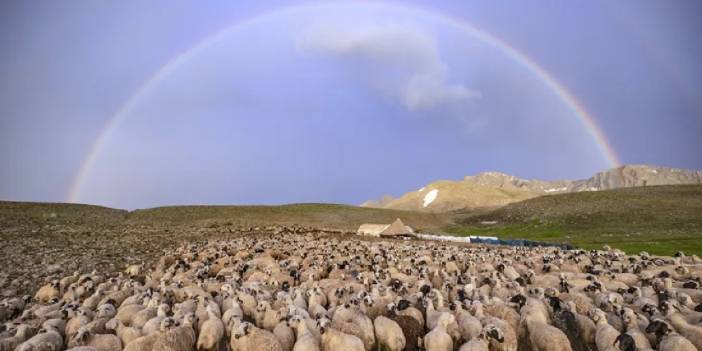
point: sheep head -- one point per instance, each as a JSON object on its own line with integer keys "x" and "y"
{"x": 492, "y": 331}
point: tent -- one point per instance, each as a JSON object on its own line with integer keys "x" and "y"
{"x": 372, "y": 229}
{"x": 397, "y": 228}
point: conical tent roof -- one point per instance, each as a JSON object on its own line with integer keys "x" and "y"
{"x": 397, "y": 228}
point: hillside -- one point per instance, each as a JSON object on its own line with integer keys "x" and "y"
{"x": 68, "y": 237}
{"x": 47, "y": 213}
{"x": 330, "y": 216}
{"x": 446, "y": 195}
{"x": 658, "y": 219}
{"x": 494, "y": 189}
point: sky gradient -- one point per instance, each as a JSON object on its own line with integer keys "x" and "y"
{"x": 132, "y": 105}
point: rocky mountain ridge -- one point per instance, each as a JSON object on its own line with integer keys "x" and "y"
{"x": 494, "y": 189}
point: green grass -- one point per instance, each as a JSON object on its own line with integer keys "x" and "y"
{"x": 660, "y": 220}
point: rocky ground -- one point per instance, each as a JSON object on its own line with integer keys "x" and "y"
{"x": 31, "y": 255}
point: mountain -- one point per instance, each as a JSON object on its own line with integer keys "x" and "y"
{"x": 495, "y": 189}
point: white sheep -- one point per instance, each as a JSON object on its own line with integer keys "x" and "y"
{"x": 480, "y": 342}
{"x": 285, "y": 334}
{"x": 304, "y": 339}
{"x": 545, "y": 337}
{"x": 101, "y": 342}
{"x": 249, "y": 338}
{"x": 178, "y": 336}
{"x": 438, "y": 338}
{"x": 389, "y": 334}
{"x": 211, "y": 332}
{"x": 689, "y": 331}
{"x": 606, "y": 335}
{"x": 333, "y": 340}
{"x": 47, "y": 339}
{"x": 126, "y": 334}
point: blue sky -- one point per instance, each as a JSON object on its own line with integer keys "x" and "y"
{"x": 333, "y": 102}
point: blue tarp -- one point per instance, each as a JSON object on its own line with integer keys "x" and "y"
{"x": 521, "y": 242}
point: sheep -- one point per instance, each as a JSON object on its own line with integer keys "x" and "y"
{"x": 389, "y": 334}
{"x": 668, "y": 339}
{"x": 47, "y": 339}
{"x": 510, "y": 339}
{"x": 690, "y": 331}
{"x": 305, "y": 340}
{"x": 469, "y": 326}
{"x": 285, "y": 334}
{"x": 211, "y": 332}
{"x": 248, "y": 338}
{"x": 332, "y": 339}
{"x": 606, "y": 335}
{"x": 101, "y": 342}
{"x": 48, "y": 292}
{"x": 632, "y": 329}
{"x": 177, "y": 336}
{"x": 567, "y": 322}
{"x": 545, "y": 337}
{"x": 411, "y": 328}
{"x": 438, "y": 338}
{"x": 126, "y": 334}
{"x": 625, "y": 342}
{"x": 22, "y": 333}
{"x": 147, "y": 342}
{"x": 480, "y": 342}
{"x": 154, "y": 324}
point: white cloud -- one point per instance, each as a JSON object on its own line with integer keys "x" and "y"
{"x": 405, "y": 60}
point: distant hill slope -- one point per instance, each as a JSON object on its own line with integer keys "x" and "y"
{"x": 329, "y": 216}
{"x": 318, "y": 215}
{"x": 21, "y": 212}
{"x": 494, "y": 189}
{"x": 660, "y": 219}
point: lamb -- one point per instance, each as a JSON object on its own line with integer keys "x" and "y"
{"x": 332, "y": 339}
{"x": 101, "y": 342}
{"x": 248, "y": 338}
{"x": 389, "y": 334}
{"x": 545, "y": 337}
{"x": 668, "y": 339}
{"x": 438, "y": 338}
{"x": 211, "y": 332}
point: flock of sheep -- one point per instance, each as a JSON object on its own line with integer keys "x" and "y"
{"x": 306, "y": 292}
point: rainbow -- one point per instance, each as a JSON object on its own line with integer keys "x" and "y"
{"x": 583, "y": 116}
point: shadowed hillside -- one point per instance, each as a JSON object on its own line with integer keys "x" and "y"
{"x": 658, "y": 219}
